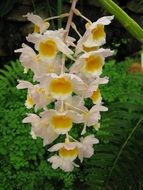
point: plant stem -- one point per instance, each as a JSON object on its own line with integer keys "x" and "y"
{"x": 142, "y": 56}
{"x": 33, "y": 4}
{"x": 57, "y": 17}
{"x": 50, "y": 13}
{"x": 67, "y": 30}
{"x": 121, "y": 150}
{"x": 59, "y": 11}
{"x": 123, "y": 18}
{"x": 70, "y": 18}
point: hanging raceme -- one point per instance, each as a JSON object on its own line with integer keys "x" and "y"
{"x": 66, "y": 87}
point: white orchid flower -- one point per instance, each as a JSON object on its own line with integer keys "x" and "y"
{"x": 65, "y": 165}
{"x": 45, "y": 67}
{"x": 86, "y": 149}
{"x": 61, "y": 122}
{"x": 93, "y": 85}
{"x": 49, "y": 44}
{"x": 40, "y": 25}
{"x": 68, "y": 152}
{"x": 91, "y": 63}
{"x": 28, "y": 57}
{"x": 41, "y": 128}
{"x": 74, "y": 103}
{"x": 36, "y": 95}
{"x": 94, "y": 36}
{"x": 91, "y": 117}
{"x": 62, "y": 86}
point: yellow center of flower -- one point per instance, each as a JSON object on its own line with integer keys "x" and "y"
{"x": 88, "y": 49}
{"x": 48, "y": 48}
{"x": 61, "y": 123}
{"x": 68, "y": 154}
{"x": 98, "y": 32}
{"x": 60, "y": 86}
{"x": 29, "y": 102}
{"x": 93, "y": 63}
{"x": 36, "y": 29}
{"x": 96, "y": 96}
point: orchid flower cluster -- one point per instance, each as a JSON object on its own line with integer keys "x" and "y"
{"x": 66, "y": 87}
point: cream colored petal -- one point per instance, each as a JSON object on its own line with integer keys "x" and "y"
{"x": 67, "y": 166}
{"x": 103, "y": 80}
{"x": 33, "y": 134}
{"x": 28, "y": 57}
{"x": 34, "y": 18}
{"x": 32, "y": 118}
{"x": 56, "y": 147}
{"x": 103, "y": 52}
{"x": 44, "y": 27}
{"x": 64, "y": 48}
{"x": 75, "y": 68}
{"x": 49, "y": 136}
{"x": 90, "y": 43}
{"x": 24, "y": 84}
{"x": 98, "y": 108}
{"x": 103, "y": 20}
{"x": 93, "y": 118}
{"x": 70, "y": 41}
{"x": 70, "y": 145}
{"x": 34, "y": 38}
{"x": 88, "y": 152}
{"x": 77, "y": 118}
{"x": 90, "y": 140}
{"x": 90, "y": 90}
{"x": 56, "y": 161}
{"x": 85, "y": 150}
{"x": 81, "y": 155}
{"x": 25, "y": 49}
{"x": 79, "y": 85}
{"x": 48, "y": 113}
{"x": 93, "y": 85}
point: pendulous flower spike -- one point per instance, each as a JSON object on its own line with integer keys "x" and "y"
{"x": 59, "y": 91}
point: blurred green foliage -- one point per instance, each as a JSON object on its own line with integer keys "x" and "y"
{"x": 117, "y": 163}
{"x": 123, "y": 86}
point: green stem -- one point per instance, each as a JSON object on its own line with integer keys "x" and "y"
{"x": 50, "y": 14}
{"x": 121, "y": 150}
{"x": 34, "y": 7}
{"x": 59, "y": 12}
{"x": 130, "y": 25}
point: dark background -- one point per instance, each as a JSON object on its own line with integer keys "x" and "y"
{"x": 14, "y": 27}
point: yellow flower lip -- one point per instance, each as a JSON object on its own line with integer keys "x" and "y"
{"x": 48, "y": 48}
{"x": 98, "y": 32}
{"x": 93, "y": 63}
{"x": 61, "y": 87}
{"x": 36, "y": 29}
{"x": 29, "y": 102}
{"x": 89, "y": 49}
{"x": 70, "y": 154}
{"x": 96, "y": 96}
{"x": 61, "y": 123}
